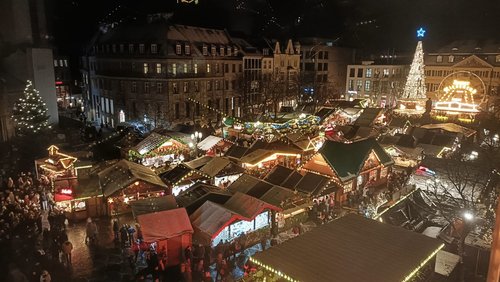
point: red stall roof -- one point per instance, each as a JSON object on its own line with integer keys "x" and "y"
{"x": 164, "y": 225}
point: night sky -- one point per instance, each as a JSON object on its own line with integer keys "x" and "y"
{"x": 369, "y": 24}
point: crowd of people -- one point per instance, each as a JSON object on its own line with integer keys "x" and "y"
{"x": 31, "y": 226}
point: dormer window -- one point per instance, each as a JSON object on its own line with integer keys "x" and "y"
{"x": 265, "y": 51}
{"x": 236, "y": 51}
{"x": 229, "y": 51}
{"x": 187, "y": 49}
{"x": 214, "y": 51}
{"x": 131, "y": 48}
{"x": 451, "y": 59}
{"x": 497, "y": 59}
{"x": 141, "y": 48}
{"x": 439, "y": 59}
{"x": 222, "y": 50}
{"x": 205, "y": 50}
{"x": 154, "y": 48}
{"x": 178, "y": 49}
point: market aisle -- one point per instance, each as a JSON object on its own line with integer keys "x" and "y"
{"x": 103, "y": 262}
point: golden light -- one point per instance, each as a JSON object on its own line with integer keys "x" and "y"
{"x": 136, "y": 183}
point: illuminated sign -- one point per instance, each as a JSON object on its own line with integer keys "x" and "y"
{"x": 66, "y": 191}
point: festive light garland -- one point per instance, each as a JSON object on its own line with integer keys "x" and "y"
{"x": 270, "y": 269}
{"x": 410, "y": 276}
{"x": 30, "y": 112}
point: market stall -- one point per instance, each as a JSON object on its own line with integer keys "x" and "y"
{"x": 181, "y": 177}
{"x": 156, "y": 150}
{"x": 170, "y": 230}
{"x": 214, "y": 145}
{"x": 126, "y": 181}
{"x": 222, "y": 171}
{"x": 241, "y": 214}
{"x": 352, "y": 165}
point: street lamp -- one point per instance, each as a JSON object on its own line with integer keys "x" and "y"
{"x": 196, "y": 137}
{"x": 468, "y": 216}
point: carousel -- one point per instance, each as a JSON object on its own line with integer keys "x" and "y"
{"x": 460, "y": 97}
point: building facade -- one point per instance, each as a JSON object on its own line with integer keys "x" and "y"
{"x": 323, "y": 68}
{"x": 156, "y": 72}
{"x": 469, "y": 60}
{"x": 270, "y": 77}
{"x": 381, "y": 83}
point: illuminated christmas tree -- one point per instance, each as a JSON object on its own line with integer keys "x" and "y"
{"x": 30, "y": 112}
{"x": 415, "y": 82}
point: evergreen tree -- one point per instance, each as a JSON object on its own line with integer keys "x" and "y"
{"x": 30, "y": 112}
{"x": 415, "y": 83}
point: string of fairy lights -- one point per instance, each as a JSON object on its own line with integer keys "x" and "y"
{"x": 30, "y": 113}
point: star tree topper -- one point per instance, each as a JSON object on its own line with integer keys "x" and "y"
{"x": 421, "y": 32}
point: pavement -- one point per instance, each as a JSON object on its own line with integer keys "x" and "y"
{"x": 105, "y": 261}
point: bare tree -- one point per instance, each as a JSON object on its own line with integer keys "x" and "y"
{"x": 459, "y": 190}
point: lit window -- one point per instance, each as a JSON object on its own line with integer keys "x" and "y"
{"x": 55, "y": 63}
{"x": 386, "y": 72}
{"x": 131, "y": 48}
{"x": 178, "y": 49}
{"x": 368, "y": 85}
{"x": 154, "y": 48}
{"x": 208, "y": 68}
{"x": 451, "y": 59}
{"x": 174, "y": 69}
{"x": 187, "y": 49}
{"x": 61, "y": 64}
{"x": 205, "y": 50}
{"x": 497, "y": 59}
{"x": 368, "y": 73}
{"x": 141, "y": 48}
{"x": 158, "y": 68}
{"x": 439, "y": 59}
{"x": 359, "y": 85}
{"x": 196, "y": 68}
{"x": 185, "y": 68}
{"x": 146, "y": 68}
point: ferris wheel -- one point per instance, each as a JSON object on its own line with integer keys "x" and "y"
{"x": 461, "y": 91}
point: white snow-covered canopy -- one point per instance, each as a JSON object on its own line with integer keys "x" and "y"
{"x": 207, "y": 143}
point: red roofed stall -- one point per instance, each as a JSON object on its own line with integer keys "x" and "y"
{"x": 170, "y": 229}
{"x": 241, "y": 214}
